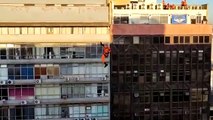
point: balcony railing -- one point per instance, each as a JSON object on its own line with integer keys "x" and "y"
{"x": 140, "y": 6}
{"x": 100, "y": 99}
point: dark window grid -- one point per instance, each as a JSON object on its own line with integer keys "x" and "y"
{"x": 22, "y": 113}
{"x": 181, "y": 39}
{"x": 201, "y": 40}
{"x": 187, "y": 39}
{"x": 195, "y": 39}
{"x": 176, "y": 38}
{"x": 20, "y": 72}
{"x": 206, "y": 39}
{"x": 167, "y": 39}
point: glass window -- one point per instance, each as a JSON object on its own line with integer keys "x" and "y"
{"x": 187, "y": 39}
{"x": 195, "y": 39}
{"x": 175, "y": 39}
{"x": 181, "y": 39}
{"x": 200, "y": 39}
{"x": 206, "y": 40}
{"x": 4, "y": 30}
{"x": 167, "y": 40}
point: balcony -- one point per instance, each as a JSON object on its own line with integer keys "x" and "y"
{"x": 55, "y": 101}
{"x": 51, "y": 61}
{"x": 65, "y": 80}
{"x": 142, "y": 6}
{"x": 151, "y": 9}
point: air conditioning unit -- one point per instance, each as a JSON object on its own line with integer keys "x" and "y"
{"x": 2, "y": 82}
{"x": 94, "y": 119}
{"x": 104, "y": 78}
{"x": 37, "y": 101}
{"x": 77, "y": 78}
{"x": 9, "y": 82}
{"x": 68, "y": 79}
{"x": 64, "y": 96}
{"x": 61, "y": 77}
{"x": 107, "y": 94}
{"x": 38, "y": 81}
{"x": 3, "y": 100}
{"x": 23, "y": 102}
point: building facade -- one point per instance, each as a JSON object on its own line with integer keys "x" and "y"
{"x": 50, "y": 65}
{"x": 161, "y": 62}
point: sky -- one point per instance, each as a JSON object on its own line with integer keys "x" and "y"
{"x": 209, "y": 2}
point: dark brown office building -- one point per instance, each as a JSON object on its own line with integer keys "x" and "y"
{"x": 160, "y": 72}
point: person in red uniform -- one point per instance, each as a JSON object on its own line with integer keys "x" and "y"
{"x": 106, "y": 51}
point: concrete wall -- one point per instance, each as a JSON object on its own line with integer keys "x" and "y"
{"x": 53, "y": 14}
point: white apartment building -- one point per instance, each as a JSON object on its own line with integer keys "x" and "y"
{"x": 50, "y": 66}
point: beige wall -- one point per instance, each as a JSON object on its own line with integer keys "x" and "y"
{"x": 53, "y": 1}
{"x": 53, "y": 14}
{"x": 55, "y": 38}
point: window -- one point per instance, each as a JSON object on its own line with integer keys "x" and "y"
{"x": 46, "y": 71}
{"x": 195, "y": 39}
{"x": 167, "y": 77}
{"x": 49, "y": 30}
{"x": 199, "y": 20}
{"x": 175, "y": 39}
{"x": 199, "y": 94}
{"x": 161, "y": 57}
{"x": 174, "y": 57}
{"x": 161, "y": 39}
{"x": 187, "y": 39}
{"x": 168, "y": 57}
{"x": 102, "y": 90}
{"x": 48, "y": 91}
{"x": 11, "y": 30}
{"x": 84, "y": 90}
{"x": 167, "y": 40}
{"x": 3, "y": 93}
{"x": 181, "y": 39}
{"x": 155, "y": 40}
{"x": 20, "y": 72}
{"x": 4, "y": 30}
{"x": 22, "y": 113}
{"x": 21, "y": 92}
{"x": 121, "y": 20}
{"x": 200, "y": 39}
{"x": 162, "y": 76}
{"x": 154, "y": 77}
{"x": 3, "y": 53}
{"x": 3, "y": 72}
{"x": 206, "y": 39}
{"x": 47, "y": 112}
{"x": 154, "y": 57}
{"x": 92, "y": 110}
